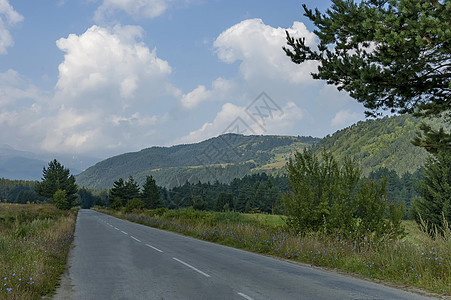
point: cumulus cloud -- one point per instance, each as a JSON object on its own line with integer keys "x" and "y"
{"x": 8, "y": 18}
{"x": 108, "y": 58}
{"x": 220, "y": 89}
{"x": 344, "y": 118}
{"x": 259, "y": 48}
{"x": 136, "y": 8}
{"x": 239, "y": 119}
{"x": 107, "y": 90}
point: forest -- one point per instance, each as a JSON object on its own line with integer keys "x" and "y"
{"x": 253, "y": 193}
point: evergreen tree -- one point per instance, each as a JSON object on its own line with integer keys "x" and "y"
{"x": 391, "y": 54}
{"x": 242, "y": 198}
{"x": 224, "y": 202}
{"x": 132, "y": 189}
{"x": 435, "y": 189}
{"x": 388, "y": 54}
{"x": 55, "y": 178}
{"x": 60, "y": 200}
{"x": 151, "y": 194}
{"x": 124, "y": 191}
{"x": 118, "y": 192}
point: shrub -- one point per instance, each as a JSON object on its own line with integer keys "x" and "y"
{"x": 134, "y": 204}
{"x": 117, "y": 203}
{"x": 327, "y": 196}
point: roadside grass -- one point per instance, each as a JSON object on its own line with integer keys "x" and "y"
{"x": 416, "y": 261}
{"x": 34, "y": 244}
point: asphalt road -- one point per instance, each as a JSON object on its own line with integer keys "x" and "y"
{"x": 116, "y": 259}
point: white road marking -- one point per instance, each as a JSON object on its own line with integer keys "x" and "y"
{"x": 154, "y": 248}
{"x": 116, "y": 228}
{"x": 124, "y": 232}
{"x": 135, "y": 238}
{"x": 245, "y": 296}
{"x": 190, "y": 266}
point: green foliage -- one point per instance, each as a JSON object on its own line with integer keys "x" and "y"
{"x": 19, "y": 191}
{"x": 151, "y": 194}
{"x": 134, "y": 204}
{"x": 34, "y": 245}
{"x": 387, "y": 54}
{"x": 173, "y": 166}
{"x": 60, "y": 200}
{"x": 384, "y": 142}
{"x": 327, "y": 196}
{"x": 116, "y": 203}
{"x": 224, "y": 202}
{"x": 87, "y": 198}
{"x": 125, "y": 191}
{"x": 434, "y": 206}
{"x": 55, "y": 178}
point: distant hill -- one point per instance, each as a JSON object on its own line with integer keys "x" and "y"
{"x": 375, "y": 143}
{"x": 23, "y": 165}
{"x": 221, "y": 158}
{"x": 384, "y": 142}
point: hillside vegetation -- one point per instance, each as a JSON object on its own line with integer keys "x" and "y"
{"x": 379, "y": 143}
{"x": 221, "y": 158}
{"x": 375, "y": 144}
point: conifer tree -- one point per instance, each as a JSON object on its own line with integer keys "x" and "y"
{"x": 434, "y": 206}
{"x": 151, "y": 194}
{"x": 388, "y": 54}
{"x": 57, "y": 178}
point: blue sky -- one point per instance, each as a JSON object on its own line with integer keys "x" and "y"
{"x": 103, "y": 77}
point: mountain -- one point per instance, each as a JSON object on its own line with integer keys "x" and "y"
{"x": 383, "y": 142}
{"x": 23, "y": 165}
{"x": 222, "y": 158}
{"x": 375, "y": 143}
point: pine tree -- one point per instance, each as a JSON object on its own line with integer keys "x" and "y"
{"x": 55, "y": 178}
{"x": 388, "y": 54}
{"x": 151, "y": 194}
{"x": 132, "y": 189}
{"x": 117, "y": 193}
{"x": 434, "y": 206}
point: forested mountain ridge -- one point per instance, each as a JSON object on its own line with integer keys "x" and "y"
{"x": 222, "y": 158}
{"x": 378, "y": 143}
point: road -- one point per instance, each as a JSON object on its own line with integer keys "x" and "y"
{"x": 116, "y": 259}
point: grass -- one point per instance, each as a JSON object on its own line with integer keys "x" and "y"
{"x": 34, "y": 244}
{"x": 415, "y": 261}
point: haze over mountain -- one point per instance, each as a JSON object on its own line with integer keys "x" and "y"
{"x": 23, "y": 165}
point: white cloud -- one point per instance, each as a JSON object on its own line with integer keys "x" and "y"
{"x": 345, "y": 117}
{"x": 237, "y": 119}
{"x": 259, "y": 48}
{"x": 136, "y": 8}
{"x": 8, "y": 18}
{"x": 220, "y": 89}
{"x": 107, "y": 91}
{"x": 196, "y": 96}
{"x": 108, "y": 58}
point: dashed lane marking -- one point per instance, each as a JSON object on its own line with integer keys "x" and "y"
{"x": 191, "y": 267}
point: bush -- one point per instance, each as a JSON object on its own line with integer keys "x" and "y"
{"x": 117, "y": 203}
{"x": 60, "y": 200}
{"x": 134, "y": 204}
{"x": 327, "y": 196}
